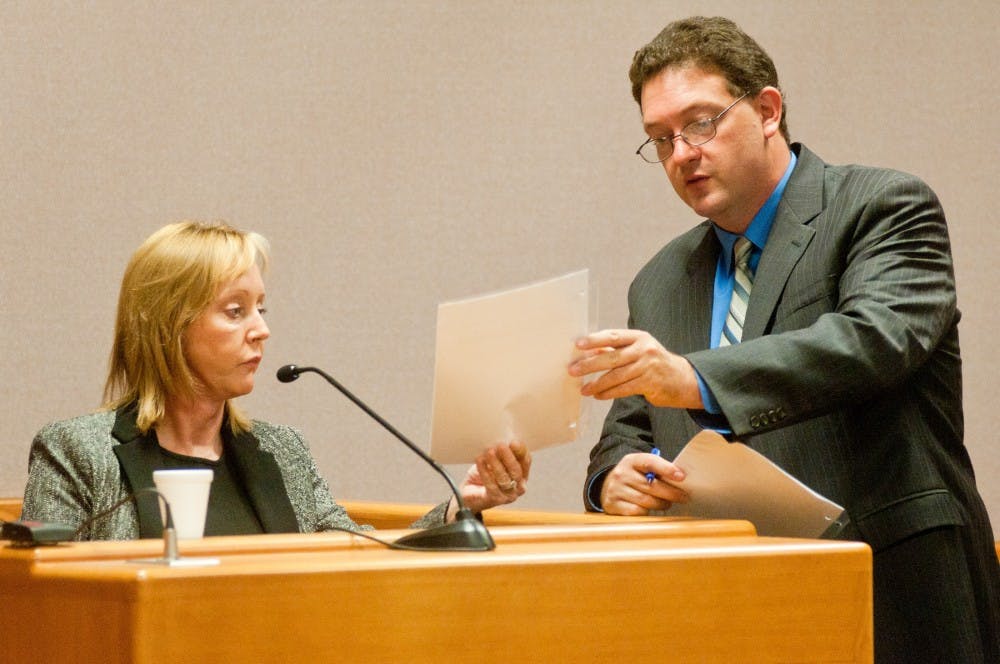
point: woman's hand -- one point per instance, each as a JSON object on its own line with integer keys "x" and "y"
{"x": 499, "y": 477}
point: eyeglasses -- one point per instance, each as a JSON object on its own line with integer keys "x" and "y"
{"x": 699, "y": 132}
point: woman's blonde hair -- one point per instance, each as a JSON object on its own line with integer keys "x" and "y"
{"x": 171, "y": 278}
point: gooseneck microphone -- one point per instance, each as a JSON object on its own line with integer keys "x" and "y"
{"x": 467, "y": 533}
{"x": 31, "y": 533}
{"x": 36, "y": 533}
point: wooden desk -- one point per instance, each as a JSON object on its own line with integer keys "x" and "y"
{"x": 400, "y": 515}
{"x": 10, "y": 509}
{"x": 385, "y": 515}
{"x": 572, "y": 593}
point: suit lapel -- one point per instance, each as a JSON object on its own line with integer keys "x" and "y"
{"x": 137, "y": 456}
{"x": 261, "y": 478}
{"x": 789, "y": 237}
{"x": 256, "y": 470}
{"x": 697, "y": 295}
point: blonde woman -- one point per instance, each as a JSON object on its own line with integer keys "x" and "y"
{"x": 189, "y": 338}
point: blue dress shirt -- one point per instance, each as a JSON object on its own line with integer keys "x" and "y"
{"x": 757, "y": 232}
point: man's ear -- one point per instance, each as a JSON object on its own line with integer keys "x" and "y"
{"x": 770, "y": 106}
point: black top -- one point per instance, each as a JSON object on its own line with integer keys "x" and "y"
{"x": 229, "y": 509}
{"x": 253, "y": 471}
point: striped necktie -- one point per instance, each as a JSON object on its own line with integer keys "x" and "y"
{"x": 732, "y": 331}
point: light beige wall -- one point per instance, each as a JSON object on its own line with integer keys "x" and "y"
{"x": 399, "y": 154}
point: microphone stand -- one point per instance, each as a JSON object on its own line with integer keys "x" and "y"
{"x": 171, "y": 558}
{"x": 466, "y": 533}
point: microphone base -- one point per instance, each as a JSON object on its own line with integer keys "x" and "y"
{"x": 466, "y": 533}
{"x": 176, "y": 562}
{"x": 170, "y": 556}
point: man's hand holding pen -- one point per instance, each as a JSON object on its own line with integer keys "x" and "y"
{"x": 628, "y": 491}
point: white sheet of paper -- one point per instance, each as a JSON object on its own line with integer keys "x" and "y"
{"x": 731, "y": 481}
{"x": 500, "y": 368}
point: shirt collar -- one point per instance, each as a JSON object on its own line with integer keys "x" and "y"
{"x": 760, "y": 225}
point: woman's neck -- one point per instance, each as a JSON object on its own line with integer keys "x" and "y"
{"x": 192, "y": 428}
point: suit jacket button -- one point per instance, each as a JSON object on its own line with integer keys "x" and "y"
{"x": 754, "y": 422}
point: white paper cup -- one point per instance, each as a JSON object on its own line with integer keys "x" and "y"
{"x": 186, "y": 491}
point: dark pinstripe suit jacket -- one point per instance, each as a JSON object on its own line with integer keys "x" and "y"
{"x": 849, "y": 375}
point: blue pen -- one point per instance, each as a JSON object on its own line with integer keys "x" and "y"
{"x": 650, "y": 476}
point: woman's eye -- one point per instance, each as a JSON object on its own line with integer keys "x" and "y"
{"x": 262, "y": 310}
{"x": 234, "y": 312}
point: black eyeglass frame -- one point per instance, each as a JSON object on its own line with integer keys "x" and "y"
{"x": 708, "y": 122}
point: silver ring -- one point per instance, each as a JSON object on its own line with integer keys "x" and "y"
{"x": 510, "y": 486}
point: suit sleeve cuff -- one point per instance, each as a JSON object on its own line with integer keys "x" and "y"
{"x": 592, "y": 494}
{"x": 711, "y": 417}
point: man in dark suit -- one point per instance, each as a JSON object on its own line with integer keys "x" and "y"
{"x": 830, "y": 346}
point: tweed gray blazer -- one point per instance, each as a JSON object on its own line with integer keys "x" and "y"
{"x": 82, "y": 466}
